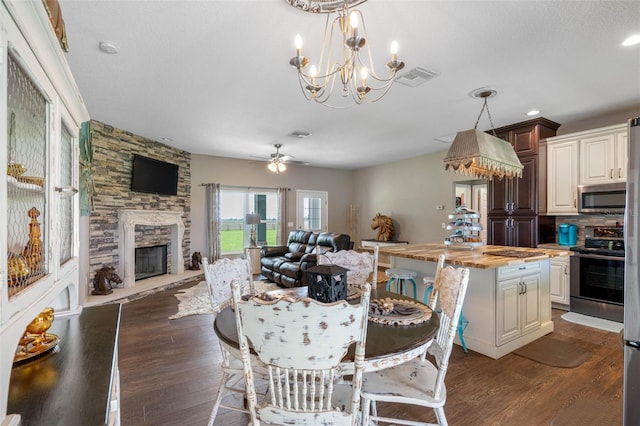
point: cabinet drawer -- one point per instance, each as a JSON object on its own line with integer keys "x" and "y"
{"x": 518, "y": 270}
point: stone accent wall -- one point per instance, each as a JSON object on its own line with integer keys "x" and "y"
{"x": 113, "y": 151}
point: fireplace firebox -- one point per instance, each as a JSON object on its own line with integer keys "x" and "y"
{"x": 150, "y": 261}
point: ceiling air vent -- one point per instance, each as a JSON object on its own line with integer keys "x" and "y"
{"x": 415, "y": 77}
{"x": 300, "y": 134}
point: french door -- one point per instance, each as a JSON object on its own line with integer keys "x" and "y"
{"x": 311, "y": 211}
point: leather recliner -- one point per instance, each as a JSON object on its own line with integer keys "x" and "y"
{"x": 287, "y": 265}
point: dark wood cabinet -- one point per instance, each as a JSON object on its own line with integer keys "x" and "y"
{"x": 513, "y": 204}
{"x": 518, "y": 231}
{"x": 517, "y": 196}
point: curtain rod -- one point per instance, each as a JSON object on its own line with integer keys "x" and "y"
{"x": 243, "y": 187}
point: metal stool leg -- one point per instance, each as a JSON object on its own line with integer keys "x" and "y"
{"x": 462, "y": 325}
{"x": 427, "y": 293}
{"x": 415, "y": 289}
{"x": 391, "y": 281}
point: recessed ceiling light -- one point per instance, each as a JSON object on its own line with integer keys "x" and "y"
{"x": 108, "y": 47}
{"x": 533, "y": 112}
{"x": 167, "y": 139}
{"x": 632, "y": 41}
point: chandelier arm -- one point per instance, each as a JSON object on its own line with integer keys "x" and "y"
{"x": 372, "y": 73}
{"x": 385, "y": 90}
{"x": 324, "y": 42}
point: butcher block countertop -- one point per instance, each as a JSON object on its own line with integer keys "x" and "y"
{"x": 478, "y": 257}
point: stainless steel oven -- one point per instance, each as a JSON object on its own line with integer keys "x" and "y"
{"x": 597, "y": 274}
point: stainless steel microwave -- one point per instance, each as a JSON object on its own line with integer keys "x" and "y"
{"x": 608, "y": 198}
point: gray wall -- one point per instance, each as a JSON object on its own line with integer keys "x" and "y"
{"x": 235, "y": 172}
{"x": 408, "y": 191}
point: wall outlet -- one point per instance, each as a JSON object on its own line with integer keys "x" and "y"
{"x": 439, "y": 207}
{"x": 290, "y": 224}
{"x": 444, "y": 225}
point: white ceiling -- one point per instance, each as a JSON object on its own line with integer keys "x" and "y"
{"x": 213, "y": 75}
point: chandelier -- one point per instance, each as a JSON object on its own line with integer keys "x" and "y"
{"x": 351, "y": 69}
{"x": 479, "y": 154}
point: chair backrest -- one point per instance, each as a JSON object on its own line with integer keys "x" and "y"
{"x": 219, "y": 276}
{"x": 360, "y": 265}
{"x": 433, "y": 295}
{"x": 449, "y": 291}
{"x": 302, "y": 342}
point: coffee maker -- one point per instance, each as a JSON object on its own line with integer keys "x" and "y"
{"x": 567, "y": 234}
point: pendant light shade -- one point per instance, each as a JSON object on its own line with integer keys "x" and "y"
{"x": 479, "y": 154}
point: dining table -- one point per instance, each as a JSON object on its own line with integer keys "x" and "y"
{"x": 388, "y": 343}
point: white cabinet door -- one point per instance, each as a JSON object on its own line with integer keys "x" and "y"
{"x": 508, "y": 312}
{"x": 530, "y": 303}
{"x": 518, "y": 302}
{"x": 597, "y": 159}
{"x": 562, "y": 177}
{"x": 559, "y": 280}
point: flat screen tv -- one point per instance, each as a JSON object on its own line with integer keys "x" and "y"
{"x": 154, "y": 176}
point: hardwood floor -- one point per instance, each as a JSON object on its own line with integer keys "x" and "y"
{"x": 169, "y": 376}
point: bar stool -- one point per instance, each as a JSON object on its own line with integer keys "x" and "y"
{"x": 401, "y": 278}
{"x": 462, "y": 322}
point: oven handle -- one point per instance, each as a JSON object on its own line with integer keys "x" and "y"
{"x": 598, "y": 256}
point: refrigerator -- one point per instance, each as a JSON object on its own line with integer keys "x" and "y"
{"x": 632, "y": 281}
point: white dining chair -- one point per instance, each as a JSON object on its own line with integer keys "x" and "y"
{"x": 302, "y": 342}
{"x": 219, "y": 276}
{"x": 361, "y": 265}
{"x": 420, "y": 382}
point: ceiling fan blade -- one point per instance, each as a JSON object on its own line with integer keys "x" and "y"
{"x": 261, "y": 158}
{"x": 297, "y": 163}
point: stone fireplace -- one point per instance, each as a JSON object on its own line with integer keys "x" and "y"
{"x": 128, "y": 219}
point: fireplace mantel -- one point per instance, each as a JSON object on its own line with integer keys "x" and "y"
{"x": 128, "y": 219}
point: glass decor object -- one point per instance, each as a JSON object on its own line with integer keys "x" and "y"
{"x": 35, "y": 340}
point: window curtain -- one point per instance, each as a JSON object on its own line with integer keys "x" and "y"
{"x": 283, "y": 202}
{"x": 212, "y": 191}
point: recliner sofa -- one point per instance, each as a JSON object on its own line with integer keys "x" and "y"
{"x": 287, "y": 265}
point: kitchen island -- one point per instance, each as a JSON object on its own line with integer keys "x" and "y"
{"x": 508, "y": 300}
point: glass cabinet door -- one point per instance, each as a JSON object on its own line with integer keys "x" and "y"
{"x": 27, "y": 204}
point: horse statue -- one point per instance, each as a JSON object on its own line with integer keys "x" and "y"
{"x": 384, "y": 225}
{"x": 103, "y": 279}
{"x": 196, "y": 261}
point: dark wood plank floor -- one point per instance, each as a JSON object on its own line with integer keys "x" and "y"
{"x": 169, "y": 376}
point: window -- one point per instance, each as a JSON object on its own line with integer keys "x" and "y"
{"x": 235, "y": 203}
{"x": 312, "y": 210}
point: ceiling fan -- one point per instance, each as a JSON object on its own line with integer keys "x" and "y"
{"x": 278, "y": 161}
